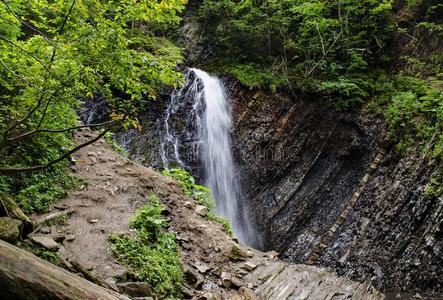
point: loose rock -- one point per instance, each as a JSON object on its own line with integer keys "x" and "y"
{"x": 237, "y": 252}
{"x": 249, "y": 266}
{"x": 45, "y": 242}
{"x": 189, "y": 204}
{"x": 135, "y": 289}
{"x": 247, "y": 293}
{"x": 226, "y": 279}
{"x": 70, "y": 237}
{"x": 201, "y": 210}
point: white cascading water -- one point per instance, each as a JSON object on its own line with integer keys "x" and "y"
{"x": 213, "y": 121}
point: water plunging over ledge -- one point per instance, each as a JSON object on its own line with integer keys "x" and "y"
{"x": 208, "y": 114}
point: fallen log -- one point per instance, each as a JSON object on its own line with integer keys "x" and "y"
{"x": 25, "y": 276}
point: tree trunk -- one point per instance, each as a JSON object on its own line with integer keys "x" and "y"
{"x": 25, "y": 276}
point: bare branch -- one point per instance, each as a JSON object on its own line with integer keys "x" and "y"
{"x": 321, "y": 39}
{"x": 60, "y": 31}
{"x": 44, "y": 130}
{"x": 323, "y": 57}
{"x": 10, "y": 171}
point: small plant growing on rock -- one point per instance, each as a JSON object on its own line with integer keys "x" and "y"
{"x": 109, "y": 138}
{"x": 200, "y": 193}
{"x": 151, "y": 253}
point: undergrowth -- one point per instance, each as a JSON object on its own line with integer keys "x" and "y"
{"x": 109, "y": 138}
{"x": 151, "y": 252}
{"x": 37, "y": 191}
{"x": 200, "y": 193}
{"x": 48, "y": 255}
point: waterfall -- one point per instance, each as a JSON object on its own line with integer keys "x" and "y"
{"x": 204, "y": 103}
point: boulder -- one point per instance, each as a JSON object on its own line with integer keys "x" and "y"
{"x": 226, "y": 279}
{"x": 44, "y": 241}
{"x": 10, "y": 229}
{"x": 14, "y": 211}
{"x": 237, "y": 252}
{"x": 201, "y": 210}
{"x": 135, "y": 289}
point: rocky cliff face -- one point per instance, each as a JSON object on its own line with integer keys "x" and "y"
{"x": 326, "y": 189}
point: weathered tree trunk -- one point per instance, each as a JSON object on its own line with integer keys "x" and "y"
{"x": 25, "y": 276}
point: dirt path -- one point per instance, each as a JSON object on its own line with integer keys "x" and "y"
{"x": 215, "y": 266}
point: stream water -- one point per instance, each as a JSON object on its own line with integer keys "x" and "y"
{"x": 204, "y": 105}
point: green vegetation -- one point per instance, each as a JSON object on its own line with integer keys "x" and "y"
{"x": 200, "y": 193}
{"x": 109, "y": 138}
{"x": 415, "y": 113}
{"x": 314, "y": 46}
{"x": 151, "y": 253}
{"x": 55, "y": 53}
{"x": 43, "y": 253}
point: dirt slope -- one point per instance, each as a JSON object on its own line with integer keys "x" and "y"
{"x": 215, "y": 265}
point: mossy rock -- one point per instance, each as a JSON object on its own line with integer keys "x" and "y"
{"x": 10, "y": 229}
{"x": 14, "y": 211}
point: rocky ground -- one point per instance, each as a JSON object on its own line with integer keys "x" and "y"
{"x": 215, "y": 265}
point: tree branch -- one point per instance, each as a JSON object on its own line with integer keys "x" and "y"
{"x": 10, "y": 171}
{"x": 39, "y": 102}
{"x": 60, "y": 31}
{"x": 26, "y": 23}
{"x": 27, "y": 52}
{"x": 30, "y": 133}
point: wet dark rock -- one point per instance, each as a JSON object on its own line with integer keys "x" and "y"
{"x": 308, "y": 183}
{"x": 302, "y": 166}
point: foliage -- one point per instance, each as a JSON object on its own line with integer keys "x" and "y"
{"x": 55, "y": 53}
{"x": 151, "y": 253}
{"x": 200, "y": 193}
{"x": 305, "y": 45}
{"x": 48, "y": 255}
{"x": 415, "y": 114}
{"x": 36, "y": 192}
{"x": 434, "y": 188}
{"x": 109, "y": 138}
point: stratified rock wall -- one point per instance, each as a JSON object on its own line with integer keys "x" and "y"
{"x": 325, "y": 188}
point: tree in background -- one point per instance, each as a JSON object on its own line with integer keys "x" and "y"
{"x": 53, "y": 54}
